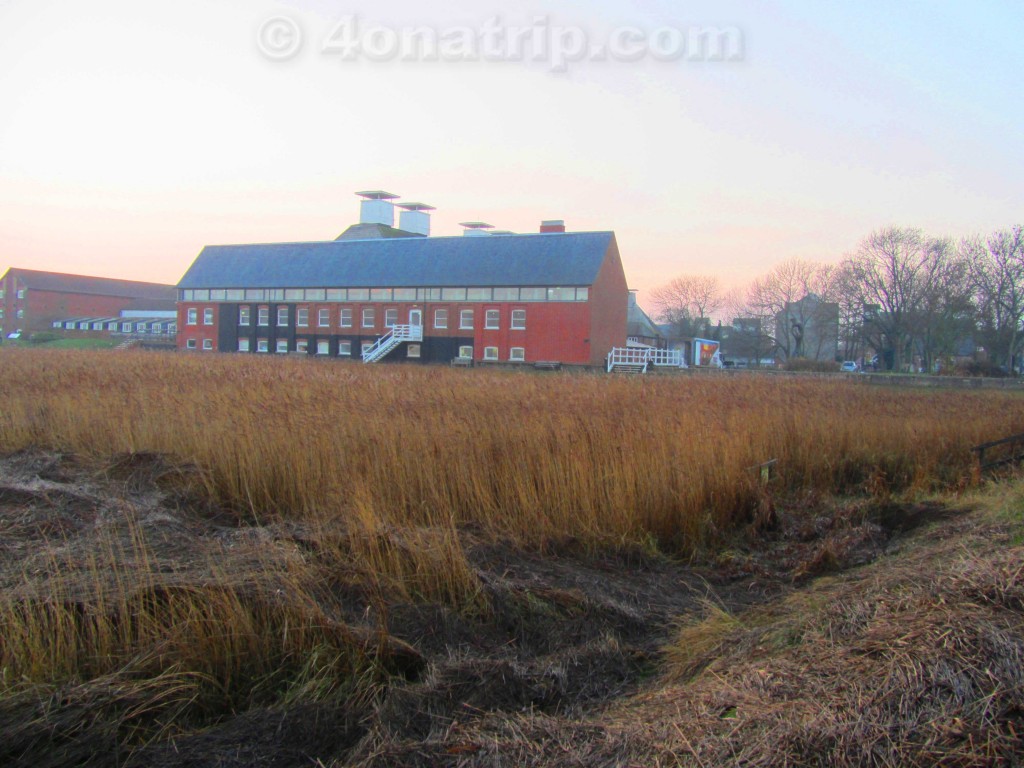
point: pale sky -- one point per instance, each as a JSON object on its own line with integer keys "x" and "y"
{"x": 133, "y": 133}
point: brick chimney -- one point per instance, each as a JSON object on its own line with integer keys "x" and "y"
{"x": 554, "y": 225}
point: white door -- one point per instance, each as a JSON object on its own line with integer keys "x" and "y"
{"x": 415, "y": 317}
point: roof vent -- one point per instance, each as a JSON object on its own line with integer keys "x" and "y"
{"x": 475, "y": 228}
{"x": 377, "y": 208}
{"x": 553, "y": 225}
{"x": 415, "y": 218}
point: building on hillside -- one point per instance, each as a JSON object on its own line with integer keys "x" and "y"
{"x": 640, "y": 329}
{"x": 808, "y": 328}
{"x": 32, "y": 301}
{"x": 379, "y": 292}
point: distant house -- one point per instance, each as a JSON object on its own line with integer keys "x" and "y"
{"x": 32, "y": 301}
{"x": 640, "y": 329}
{"x": 808, "y": 328}
{"x": 745, "y": 343}
{"x": 385, "y": 293}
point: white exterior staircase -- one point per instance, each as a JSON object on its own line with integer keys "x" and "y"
{"x": 390, "y": 340}
{"x": 637, "y": 359}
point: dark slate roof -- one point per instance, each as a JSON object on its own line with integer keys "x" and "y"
{"x": 535, "y": 259}
{"x": 93, "y": 286}
{"x": 373, "y": 232}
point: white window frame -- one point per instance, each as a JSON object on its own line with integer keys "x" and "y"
{"x": 491, "y": 354}
{"x": 302, "y": 345}
{"x": 190, "y": 343}
{"x": 441, "y": 319}
{"x": 302, "y": 317}
{"x": 414, "y": 350}
{"x": 243, "y": 345}
{"x": 323, "y": 347}
{"x": 263, "y": 345}
{"x": 244, "y": 315}
{"x": 208, "y": 316}
{"x": 369, "y": 313}
{"x": 518, "y": 320}
{"x": 464, "y": 323}
{"x": 344, "y": 349}
{"x": 390, "y": 317}
{"x": 517, "y": 355}
{"x": 492, "y": 319}
{"x": 263, "y": 317}
{"x": 323, "y": 318}
{"x": 191, "y": 316}
{"x": 207, "y": 345}
{"x": 281, "y": 347}
{"x": 345, "y": 317}
{"x": 466, "y": 352}
{"x": 365, "y": 346}
{"x": 282, "y": 314}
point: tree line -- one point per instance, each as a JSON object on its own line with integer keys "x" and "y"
{"x": 903, "y": 294}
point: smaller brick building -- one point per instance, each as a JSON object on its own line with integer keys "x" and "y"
{"x": 32, "y": 301}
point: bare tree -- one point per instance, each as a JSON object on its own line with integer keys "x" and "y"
{"x": 888, "y": 271}
{"x": 997, "y": 271}
{"x": 778, "y": 300}
{"x": 945, "y": 314}
{"x": 687, "y": 301}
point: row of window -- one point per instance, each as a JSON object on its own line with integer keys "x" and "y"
{"x": 546, "y": 293}
{"x": 323, "y": 347}
{"x": 492, "y": 318}
{"x": 18, "y": 312}
{"x": 20, "y": 293}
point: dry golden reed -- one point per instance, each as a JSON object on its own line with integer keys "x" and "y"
{"x": 536, "y": 457}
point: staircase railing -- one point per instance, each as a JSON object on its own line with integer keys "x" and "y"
{"x": 638, "y": 358}
{"x": 390, "y": 340}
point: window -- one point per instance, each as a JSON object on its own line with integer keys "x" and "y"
{"x": 139, "y": 327}
{"x": 490, "y": 353}
{"x": 561, "y": 294}
{"x": 519, "y": 319}
{"x": 208, "y": 316}
{"x": 491, "y": 319}
{"x": 366, "y": 346}
{"x": 282, "y": 316}
{"x": 405, "y": 294}
{"x": 294, "y": 294}
{"x": 255, "y": 294}
{"x": 466, "y": 319}
{"x": 440, "y": 318}
{"x": 532, "y": 294}
{"x": 20, "y": 313}
{"x": 323, "y": 347}
{"x": 190, "y": 344}
{"x": 1, "y": 293}
{"x": 302, "y": 317}
{"x": 582, "y": 294}
{"x": 127, "y": 328}
{"x": 390, "y": 318}
{"x": 207, "y": 344}
{"x": 282, "y": 347}
{"x": 517, "y": 354}
{"x": 191, "y": 317}
{"x": 453, "y": 294}
{"x": 358, "y": 294}
{"x": 345, "y": 348}
{"x": 243, "y": 345}
{"x": 323, "y": 317}
{"x": 413, "y": 350}
{"x": 466, "y": 353}
{"x": 262, "y": 345}
{"x": 263, "y": 316}
{"x": 380, "y": 294}
{"x": 337, "y": 294}
{"x": 235, "y": 294}
{"x": 506, "y": 294}
{"x": 302, "y": 345}
{"x": 315, "y": 294}
{"x": 478, "y": 294}
{"x": 244, "y": 315}
{"x": 218, "y": 294}
{"x": 346, "y": 317}
{"x": 21, "y": 293}
{"x": 369, "y": 317}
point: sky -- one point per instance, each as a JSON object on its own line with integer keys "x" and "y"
{"x": 133, "y": 133}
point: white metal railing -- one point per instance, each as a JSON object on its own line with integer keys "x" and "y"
{"x": 392, "y": 339}
{"x": 638, "y": 358}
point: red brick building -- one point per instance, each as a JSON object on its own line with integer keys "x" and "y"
{"x": 32, "y": 301}
{"x": 384, "y": 293}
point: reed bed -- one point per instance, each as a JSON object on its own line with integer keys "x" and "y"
{"x": 539, "y": 458}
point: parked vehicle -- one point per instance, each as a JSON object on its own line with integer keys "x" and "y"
{"x": 849, "y": 366}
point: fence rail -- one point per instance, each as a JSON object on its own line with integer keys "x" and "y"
{"x": 1013, "y": 453}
